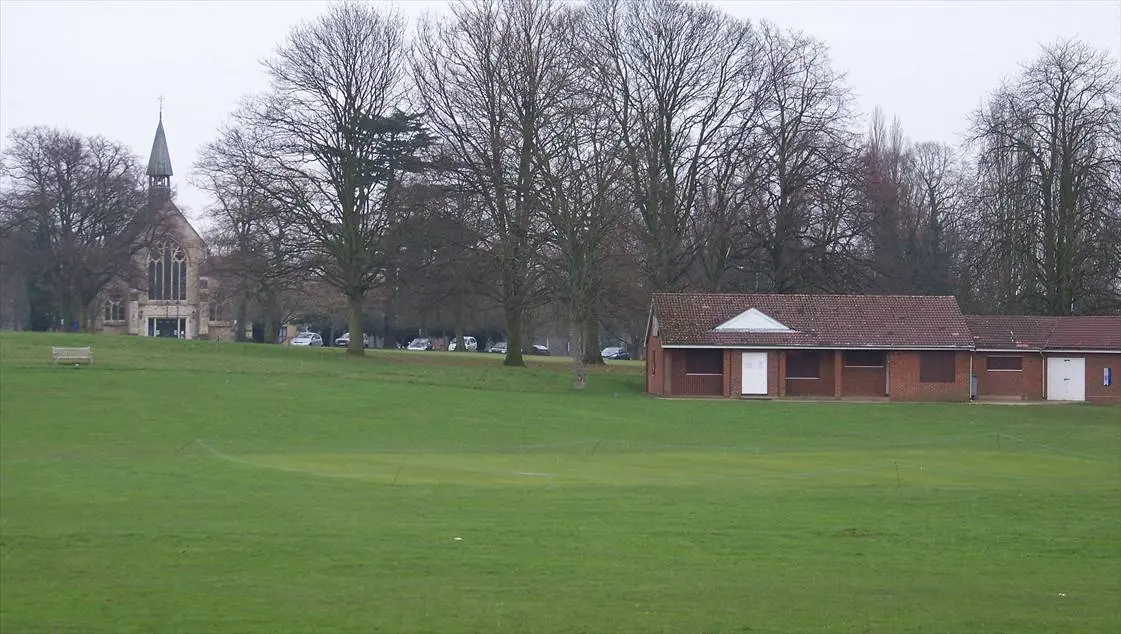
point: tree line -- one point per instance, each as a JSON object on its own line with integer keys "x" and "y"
{"x": 534, "y": 155}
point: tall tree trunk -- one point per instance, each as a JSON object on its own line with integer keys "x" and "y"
{"x": 577, "y": 335}
{"x": 460, "y": 345}
{"x": 354, "y": 321}
{"x": 513, "y": 336}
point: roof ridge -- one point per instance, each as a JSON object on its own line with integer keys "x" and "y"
{"x": 724, "y": 294}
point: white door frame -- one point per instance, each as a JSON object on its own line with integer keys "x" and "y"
{"x": 1066, "y": 378}
{"x": 753, "y": 387}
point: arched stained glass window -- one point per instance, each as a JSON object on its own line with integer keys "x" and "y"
{"x": 167, "y": 272}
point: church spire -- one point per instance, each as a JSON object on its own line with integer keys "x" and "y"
{"x": 159, "y": 164}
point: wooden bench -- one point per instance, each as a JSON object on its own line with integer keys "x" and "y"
{"x": 72, "y": 354}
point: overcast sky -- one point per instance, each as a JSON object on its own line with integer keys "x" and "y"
{"x": 99, "y": 67}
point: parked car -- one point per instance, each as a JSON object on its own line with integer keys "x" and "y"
{"x": 540, "y": 350}
{"x": 615, "y": 353}
{"x": 497, "y": 348}
{"x": 307, "y": 339}
{"x": 468, "y": 342}
{"x": 344, "y": 340}
{"x": 420, "y": 344}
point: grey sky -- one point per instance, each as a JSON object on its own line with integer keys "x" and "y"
{"x": 99, "y": 67}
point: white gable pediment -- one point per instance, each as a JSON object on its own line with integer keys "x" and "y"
{"x": 752, "y": 320}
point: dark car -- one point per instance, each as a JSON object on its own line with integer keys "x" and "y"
{"x": 540, "y": 350}
{"x": 615, "y": 354}
{"x": 498, "y": 348}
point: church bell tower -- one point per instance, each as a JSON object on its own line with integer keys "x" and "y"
{"x": 159, "y": 165}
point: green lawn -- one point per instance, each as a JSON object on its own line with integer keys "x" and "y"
{"x": 217, "y": 487}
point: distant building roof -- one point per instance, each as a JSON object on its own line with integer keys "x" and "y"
{"x": 810, "y": 321}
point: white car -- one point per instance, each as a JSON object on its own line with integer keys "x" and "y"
{"x": 344, "y": 340}
{"x": 420, "y": 344}
{"x": 468, "y": 342}
{"x": 308, "y": 339}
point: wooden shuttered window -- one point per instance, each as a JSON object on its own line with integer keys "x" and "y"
{"x": 704, "y": 361}
{"x": 864, "y": 358}
{"x": 803, "y": 364}
{"x": 1008, "y": 363}
{"x": 937, "y": 367}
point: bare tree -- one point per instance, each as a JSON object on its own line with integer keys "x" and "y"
{"x": 443, "y": 260}
{"x": 330, "y": 147}
{"x": 79, "y": 205}
{"x": 893, "y": 231}
{"x": 584, "y": 199}
{"x": 937, "y": 192}
{"x": 911, "y": 198}
{"x": 489, "y": 77}
{"x": 675, "y": 76}
{"x": 808, "y": 156}
{"x": 718, "y": 224}
{"x": 257, "y": 248}
{"x": 1049, "y": 162}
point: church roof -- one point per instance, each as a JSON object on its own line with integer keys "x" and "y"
{"x": 159, "y": 164}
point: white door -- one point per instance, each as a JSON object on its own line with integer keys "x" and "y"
{"x": 1066, "y": 379}
{"x": 754, "y": 373}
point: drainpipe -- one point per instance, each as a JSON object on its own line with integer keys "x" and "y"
{"x": 971, "y": 377}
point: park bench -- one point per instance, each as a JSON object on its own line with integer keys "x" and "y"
{"x": 72, "y": 354}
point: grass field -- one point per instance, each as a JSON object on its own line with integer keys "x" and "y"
{"x": 203, "y": 487}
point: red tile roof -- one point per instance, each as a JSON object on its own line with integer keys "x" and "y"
{"x": 1086, "y": 333}
{"x": 852, "y": 321}
{"x": 1024, "y": 332}
{"x": 1010, "y": 332}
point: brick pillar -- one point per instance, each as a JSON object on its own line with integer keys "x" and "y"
{"x": 781, "y": 387}
{"x": 727, "y": 373}
{"x": 838, "y": 362}
{"x": 667, "y": 373}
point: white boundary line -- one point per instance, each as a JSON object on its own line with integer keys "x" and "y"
{"x": 361, "y": 476}
{"x": 694, "y": 478}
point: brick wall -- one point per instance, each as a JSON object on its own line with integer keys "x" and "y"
{"x": 733, "y": 374}
{"x": 1032, "y": 381}
{"x": 1027, "y": 384}
{"x": 903, "y": 368}
{"x": 864, "y": 382}
{"x": 776, "y": 368}
{"x": 655, "y": 365}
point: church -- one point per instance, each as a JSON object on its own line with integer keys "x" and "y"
{"x": 168, "y": 293}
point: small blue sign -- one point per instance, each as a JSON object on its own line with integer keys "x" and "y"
{"x": 1107, "y": 377}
